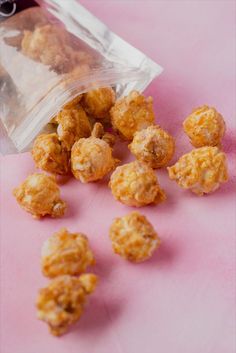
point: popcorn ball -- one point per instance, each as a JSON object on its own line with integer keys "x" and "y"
{"x": 91, "y": 159}
{"x": 204, "y": 127}
{"x": 61, "y": 303}
{"x": 133, "y": 237}
{"x": 48, "y": 44}
{"x": 153, "y": 146}
{"x": 39, "y": 195}
{"x": 202, "y": 170}
{"x": 132, "y": 113}
{"x": 135, "y": 184}
{"x": 49, "y": 154}
{"x": 73, "y": 124}
{"x": 66, "y": 253}
{"x": 98, "y": 102}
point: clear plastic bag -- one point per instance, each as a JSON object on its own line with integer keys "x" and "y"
{"x": 51, "y": 54}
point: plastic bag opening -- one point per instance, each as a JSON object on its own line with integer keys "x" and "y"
{"x": 50, "y": 55}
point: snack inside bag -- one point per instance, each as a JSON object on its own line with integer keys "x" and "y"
{"x": 52, "y": 54}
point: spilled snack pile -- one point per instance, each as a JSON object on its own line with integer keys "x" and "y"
{"x": 81, "y": 89}
{"x": 82, "y": 145}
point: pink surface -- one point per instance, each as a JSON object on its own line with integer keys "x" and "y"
{"x": 183, "y": 299}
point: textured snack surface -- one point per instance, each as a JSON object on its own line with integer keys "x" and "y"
{"x": 204, "y": 127}
{"x": 98, "y": 102}
{"x": 91, "y": 159}
{"x": 39, "y": 195}
{"x": 73, "y": 124}
{"x": 133, "y": 237}
{"x": 153, "y": 146}
{"x": 66, "y": 253}
{"x": 51, "y": 45}
{"x": 61, "y": 303}
{"x": 49, "y": 155}
{"x": 132, "y": 113}
{"x": 202, "y": 170}
{"x": 135, "y": 184}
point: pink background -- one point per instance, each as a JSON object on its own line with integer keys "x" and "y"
{"x": 183, "y": 299}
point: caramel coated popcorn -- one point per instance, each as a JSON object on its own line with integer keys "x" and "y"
{"x": 202, "y": 170}
{"x": 132, "y": 113}
{"x": 98, "y": 102}
{"x": 153, "y": 146}
{"x": 135, "y": 184}
{"x": 133, "y": 237}
{"x": 73, "y": 103}
{"x": 39, "y": 195}
{"x": 91, "y": 158}
{"x": 73, "y": 124}
{"x": 66, "y": 253}
{"x": 48, "y": 44}
{"x": 204, "y": 127}
{"x": 49, "y": 155}
{"x": 61, "y": 303}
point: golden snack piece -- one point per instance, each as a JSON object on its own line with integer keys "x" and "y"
{"x": 204, "y": 127}
{"x": 133, "y": 237}
{"x": 91, "y": 158}
{"x": 98, "y": 102}
{"x": 132, "y": 113}
{"x": 73, "y": 124}
{"x": 49, "y": 44}
{"x": 49, "y": 155}
{"x": 39, "y": 195}
{"x": 66, "y": 253}
{"x": 61, "y": 303}
{"x": 73, "y": 103}
{"x": 136, "y": 184}
{"x": 202, "y": 170}
{"x": 153, "y": 146}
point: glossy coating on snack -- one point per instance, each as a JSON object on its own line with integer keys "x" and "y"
{"x": 98, "y": 102}
{"x": 66, "y": 253}
{"x": 132, "y": 113}
{"x": 204, "y": 127}
{"x": 133, "y": 237}
{"x": 61, "y": 303}
{"x": 136, "y": 184}
{"x": 202, "y": 170}
{"x": 153, "y": 146}
{"x": 49, "y": 155}
{"x": 73, "y": 124}
{"x": 39, "y": 195}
